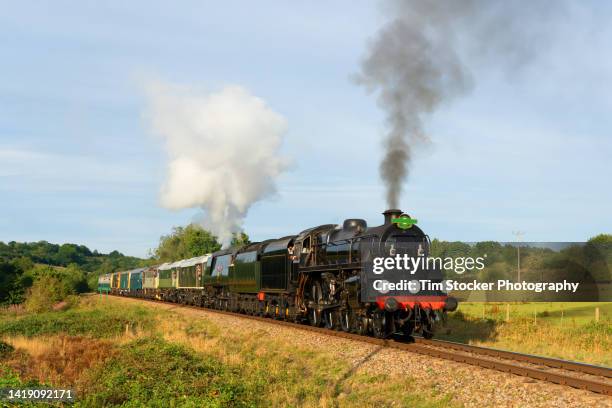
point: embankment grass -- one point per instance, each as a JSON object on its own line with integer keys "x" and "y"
{"x": 174, "y": 359}
{"x": 152, "y": 372}
{"x": 95, "y": 317}
{"x": 561, "y": 330}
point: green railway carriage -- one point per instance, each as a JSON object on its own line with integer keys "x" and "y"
{"x": 167, "y": 275}
{"x": 218, "y": 270}
{"x": 255, "y": 278}
{"x": 135, "y": 277}
{"x": 189, "y": 287}
{"x": 245, "y": 275}
{"x": 190, "y": 272}
{"x": 259, "y": 267}
{"x": 276, "y": 265}
{"x": 104, "y": 283}
{"x": 124, "y": 281}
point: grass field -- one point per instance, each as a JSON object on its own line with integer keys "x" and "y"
{"x": 117, "y": 354}
{"x": 561, "y": 330}
{"x": 162, "y": 358}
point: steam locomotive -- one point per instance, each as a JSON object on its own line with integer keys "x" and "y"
{"x": 318, "y": 276}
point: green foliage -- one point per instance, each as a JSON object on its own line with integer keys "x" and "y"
{"x": 45, "y": 292}
{"x": 10, "y": 379}
{"x": 152, "y": 372}
{"x": 72, "y": 278}
{"x": 5, "y": 349}
{"x": 74, "y": 265}
{"x": 191, "y": 241}
{"x": 585, "y": 263}
{"x": 12, "y": 287}
{"x": 240, "y": 239}
{"x": 101, "y": 322}
{"x": 498, "y": 270}
{"x": 186, "y": 242}
{"x": 603, "y": 240}
{"x": 52, "y": 284}
{"x": 43, "y": 252}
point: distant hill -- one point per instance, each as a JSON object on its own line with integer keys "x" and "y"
{"x": 47, "y": 253}
{"x": 22, "y": 263}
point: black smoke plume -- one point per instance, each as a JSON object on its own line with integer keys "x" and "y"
{"x": 419, "y": 60}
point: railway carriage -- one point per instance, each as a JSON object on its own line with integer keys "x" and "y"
{"x": 150, "y": 282}
{"x": 168, "y": 281}
{"x": 135, "y": 278}
{"x": 115, "y": 282}
{"x": 104, "y": 283}
{"x": 124, "y": 282}
{"x": 189, "y": 279}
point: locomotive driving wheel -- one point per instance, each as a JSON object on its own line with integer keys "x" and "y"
{"x": 331, "y": 319}
{"x": 379, "y": 324}
{"x": 347, "y": 320}
{"x": 362, "y": 325}
{"x": 314, "y": 313}
{"x": 427, "y": 330}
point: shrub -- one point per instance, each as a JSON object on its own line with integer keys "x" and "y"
{"x": 153, "y": 372}
{"x": 5, "y": 349}
{"x": 9, "y": 378}
{"x": 45, "y": 292}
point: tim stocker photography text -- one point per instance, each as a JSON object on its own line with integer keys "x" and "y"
{"x": 414, "y": 286}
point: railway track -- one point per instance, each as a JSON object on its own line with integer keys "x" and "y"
{"x": 577, "y": 375}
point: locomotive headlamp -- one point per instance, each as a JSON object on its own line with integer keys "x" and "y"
{"x": 391, "y": 304}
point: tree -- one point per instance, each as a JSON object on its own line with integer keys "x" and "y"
{"x": 23, "y": 264}
{"x": 598, "y": 256}
{"x": 11, "y": 289}
{"x": 45, "y": 292}
{"x": 240, "y": 239}
{"x": 186, "y": 242}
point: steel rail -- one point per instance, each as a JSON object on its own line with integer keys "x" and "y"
{"x": 526, "y": 358}
{"x": 448, "y": 351}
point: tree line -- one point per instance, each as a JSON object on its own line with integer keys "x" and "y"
{"x": 588, "y": 262}
{"x": 57, "y": 271}
{"x": 70, "y": 268}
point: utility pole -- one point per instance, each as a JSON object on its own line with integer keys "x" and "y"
{"x": 519, "y": 238}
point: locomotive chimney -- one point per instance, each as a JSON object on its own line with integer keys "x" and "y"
{"x": 391, "y": 214}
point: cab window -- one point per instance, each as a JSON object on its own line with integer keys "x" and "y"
{"x": 222, "y": 264}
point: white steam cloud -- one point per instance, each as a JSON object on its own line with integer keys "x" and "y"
{"x": 223, "y": 151}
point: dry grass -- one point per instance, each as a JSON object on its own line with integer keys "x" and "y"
{"x": 590, "y": 344}
{"x": 58, "y": 360}
{"x": 286, "y": 374}
{"x": 294, "y": 375}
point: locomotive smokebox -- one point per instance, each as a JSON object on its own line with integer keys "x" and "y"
{"x": 391, "y": 214}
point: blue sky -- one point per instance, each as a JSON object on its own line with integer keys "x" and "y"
{"x": 526, "y": 151}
